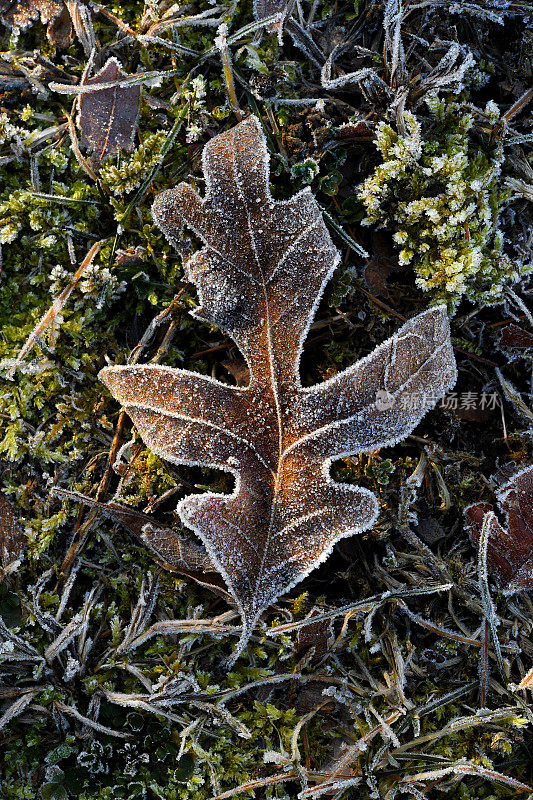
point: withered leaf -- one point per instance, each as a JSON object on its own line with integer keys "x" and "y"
{"x": 260, "y": 277}
{"x": 13, "y": 539}
{"x": 510, "y": 546}
{"x": 515, "y": 336}
{"x": 318, "y": 635}
{"x": 21, "y": 14}
{"x": 266, "y": 8}
{"x": 108, "y": 117}
{"x": 384, "y": 261}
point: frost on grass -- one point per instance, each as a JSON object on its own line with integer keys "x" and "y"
{"x": 510, "y": 547}
{"x": 108, "y": 116}
{"x": 260, "y": 277}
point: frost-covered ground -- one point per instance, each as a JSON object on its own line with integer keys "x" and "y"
{"x": 411, "y": 124}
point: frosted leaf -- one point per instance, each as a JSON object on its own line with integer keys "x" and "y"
{"x": 516, "y": 337}
{"x": 108, "y": 117}
{"x": 259, "y": 278}
{"x": 510, "y": 547}
{"x": 266, "y": 8}
{"x": 13, "y": 539}
{"x": 21, "y": 14}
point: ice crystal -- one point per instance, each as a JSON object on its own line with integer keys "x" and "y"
{"x": 260, "y": 277}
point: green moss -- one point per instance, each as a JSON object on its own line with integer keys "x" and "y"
{"x": 439, "y": 190}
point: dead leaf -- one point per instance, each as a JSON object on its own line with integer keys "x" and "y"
{"x": 266, "y": 8}
{"x": 515, "y": 336}
{"x": 59, "y": 30}
{"x": 108, "y": 116}
{"x": 238, "y": 369}
{"x": 510, "y": 547}
{"x": 527, "y": 681}
{"x": 319, "y": 635}
{"x": 171, "y": 550}
{"x": 13, "y": 539}
{"x": 259, "y": 279}
{"x": 21, "y": 14}
{"x": 384, "y": 261}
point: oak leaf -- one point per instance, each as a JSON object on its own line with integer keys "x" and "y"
{"x": 108, "y": 116}
{"x": 510, "y": 546}
{"x": 259, "y": 278}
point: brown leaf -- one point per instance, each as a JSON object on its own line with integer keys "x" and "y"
{"x": 260, "y": 277}
{"x": 266, "y": 8}
{"x": 108, "y": 116}
{"x": 171, "y": 550}
{"x": 13, "y": 539}
{"x": 510, "y": 547}
{"x": 527, "y": 681}
{"x": 384, "y": 261}
{"x": 319, "y": 634}
{"x": 21, "y": 14}
{"x": 239, "y": 370}
{"x": 60, "y": 31}
{"x": 515, "y": 336}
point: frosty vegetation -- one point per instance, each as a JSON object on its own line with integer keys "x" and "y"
{"x": 402, "y": 665}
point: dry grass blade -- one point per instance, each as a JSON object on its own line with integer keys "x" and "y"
{"x": 90, "y": 723}
{"x": 214, "y": 627}
{"x": 16, "y": 708}
{"x": 465, "y": 768}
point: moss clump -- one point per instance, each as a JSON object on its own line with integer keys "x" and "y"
{"x": 439, "y": 189}
{"x": 129, "y": 175}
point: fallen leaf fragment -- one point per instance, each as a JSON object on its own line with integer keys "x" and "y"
{"x": 259, "y": 278}
{"x": 266, "y": 8}
{"x": 171, "y": 550}
{"x": 13, "y": 539}
{"x": 510, "y": 546}
{"x": 319, "y": 635}
{"x": 515, "y": 336}
{"x": 108, "y": 117}
{"x": 21, "y": 14}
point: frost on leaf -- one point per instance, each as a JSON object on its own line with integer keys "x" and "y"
{"x": 12, "y": 536}
{"x": 259, "y": 277}
{"x": 266, "y": 8}
{"x": 21, "y": 14}
{"x": 108, "y": 116}
{"x": 510, "y": 547}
